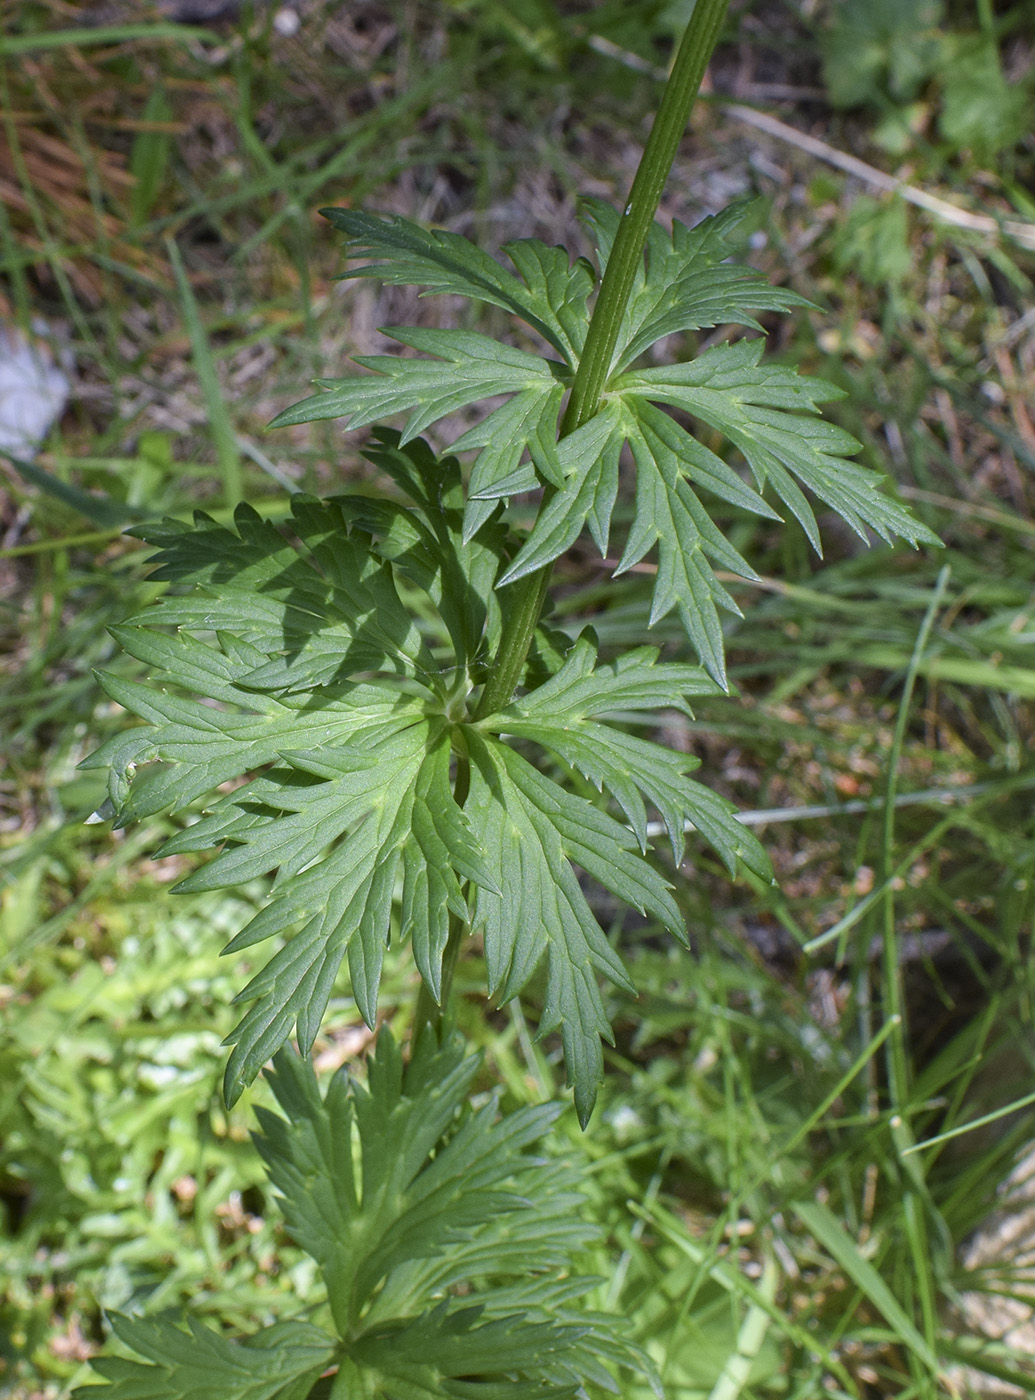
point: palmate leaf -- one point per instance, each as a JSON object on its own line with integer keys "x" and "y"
{"x": 348, "y": 798}
{"x": 563, "y": 715}
{"x": 404, "y": 1194}
{"x": 684, "y": 283}
{"x": 341, "y": 784}
{"x": 534, "y": 832}
{"x": 443, "y": 1238}
{"x": 769, "y": 413}
{"x": 761, "y": 410}
{"x": 408, "y": 1194}
{"x": 338, "y": 822}
{"x": 196, "y": 1363}
{"x": 551, "y": 295}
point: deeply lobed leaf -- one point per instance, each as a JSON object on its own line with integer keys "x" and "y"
{"x": 685, "y": 282}
{"x": 550, "y": 295}
{"x": 444, "y": 1239}
{"x": 764, "y": 411}
{"x": 341, "y": 784}
{"x": 284, "y": 1360}
{"x": 562, "y": 715}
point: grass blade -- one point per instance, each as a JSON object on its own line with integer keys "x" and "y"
{"x": 16, "y": 45}
{"x": 835, "y": 1239}
{"x": 223, "y": 435}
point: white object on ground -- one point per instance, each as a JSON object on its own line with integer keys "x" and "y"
{"x": 34, "y": 390}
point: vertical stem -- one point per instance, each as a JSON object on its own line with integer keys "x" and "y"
{"x": 677, "y": 100}
{"x": 595, "y": 364}
{"x": 695, "y": 50}
{"x": 429, "y": 1011}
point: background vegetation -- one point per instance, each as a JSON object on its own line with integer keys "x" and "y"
{"x": 157, "y": 231}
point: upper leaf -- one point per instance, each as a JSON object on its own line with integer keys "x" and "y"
{"x": 685, "y": 284}
{"x": 551, "y": 297}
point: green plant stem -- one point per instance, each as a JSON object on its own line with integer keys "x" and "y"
{"x": 430, "y": 1012}
{"x": 677, "y": 100}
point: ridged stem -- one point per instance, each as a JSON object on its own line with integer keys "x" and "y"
{"x": 677, "y": 100}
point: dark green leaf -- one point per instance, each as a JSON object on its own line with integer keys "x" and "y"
{"x": 763, "y": 411}
{"x": 284, "y": 1360}
{"x": 403, "y": 253}
{"x": 403, "y": 1194}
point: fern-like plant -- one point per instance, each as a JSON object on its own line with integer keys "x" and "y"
{"x": 395, "y": 766}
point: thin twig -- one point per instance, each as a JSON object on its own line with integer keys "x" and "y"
{"x": 926, "y": 796}
{"x": 1017, "y": 229}
{"x": 1021, "y": 232}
